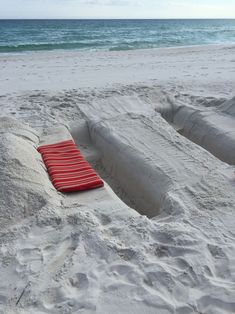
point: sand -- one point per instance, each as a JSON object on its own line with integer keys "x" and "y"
{"x": 158, "y": 126}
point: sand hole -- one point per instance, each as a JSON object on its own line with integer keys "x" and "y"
{"x": 214, "y": 131}
{"x": 91, "y": 153}
{"x": 125, "y": 172}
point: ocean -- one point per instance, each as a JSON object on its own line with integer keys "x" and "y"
{"x": 37, "y": 35}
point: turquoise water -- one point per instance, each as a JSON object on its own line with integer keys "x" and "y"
{"x": 36, "y": 35}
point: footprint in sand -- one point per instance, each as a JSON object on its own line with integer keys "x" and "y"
{"x": 79, "y": 292}
{"x": 79, "y": 281}
{"x": 104, "y": 219}
{"x": 30, "y": 258}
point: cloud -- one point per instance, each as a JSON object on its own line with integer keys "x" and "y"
{"x": 117, "y": 8}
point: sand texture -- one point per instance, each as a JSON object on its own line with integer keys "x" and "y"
{"x": 159, "y": 127}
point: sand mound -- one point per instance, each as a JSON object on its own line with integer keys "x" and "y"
{"x": 228, "y": 107}
{"x": 25, "y": 187}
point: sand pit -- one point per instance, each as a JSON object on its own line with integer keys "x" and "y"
{"x": 213, "y": 130}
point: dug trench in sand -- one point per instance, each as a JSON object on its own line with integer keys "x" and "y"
{"x": 79, "y": 254}
{"x": 212, "y": 129}
{"x": 141, "y": 153}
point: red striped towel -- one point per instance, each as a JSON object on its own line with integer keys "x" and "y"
{"x": 68, "y": 169}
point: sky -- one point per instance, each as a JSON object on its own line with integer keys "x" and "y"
{"x": 117, "y": 9}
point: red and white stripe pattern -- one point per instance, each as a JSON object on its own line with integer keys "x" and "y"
{"x": 68, "y": 169}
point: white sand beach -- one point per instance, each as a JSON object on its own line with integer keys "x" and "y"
{"x": 158, "y": 126}
{"x": 211, "y": 65}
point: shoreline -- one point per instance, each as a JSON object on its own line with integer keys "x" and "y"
{"x": 94, "y": 51}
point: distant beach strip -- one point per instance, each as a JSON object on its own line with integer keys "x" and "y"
{"x": 111, "y": 35}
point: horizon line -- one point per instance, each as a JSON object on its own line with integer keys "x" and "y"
{"x": 117, "y": 18}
